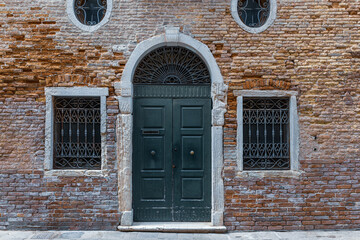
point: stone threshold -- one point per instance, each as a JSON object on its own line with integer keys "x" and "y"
{"x": 173, "y": 227}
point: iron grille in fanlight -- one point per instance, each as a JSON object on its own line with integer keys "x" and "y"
{"x": 172, "y": 66}
{"x": 77, "y": 139}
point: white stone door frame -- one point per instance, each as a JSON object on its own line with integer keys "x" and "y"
{"x": 124, "y": 92}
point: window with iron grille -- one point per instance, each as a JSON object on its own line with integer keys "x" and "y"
{"x": 253, "y": 13}
{"x": 77, "y": 138}
{"x": 266, "y": 134}
{"x": 89, "y": 15}
{"x": 254, "y": 16}
{"x": 90, "y": 12}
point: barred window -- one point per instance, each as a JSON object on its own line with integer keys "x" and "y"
{"x": 266, "y": 134}
{"x": 77, "y": 138}
{"x": 253, "y": 13}
{"x": 90, "y": 12}
{"x": 89, "y": 15}
{"x": 254, "y": 16}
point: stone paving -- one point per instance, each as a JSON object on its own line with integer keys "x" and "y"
{"x": 112, "y": 235}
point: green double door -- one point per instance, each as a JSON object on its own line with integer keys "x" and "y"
{"x": 172, "y": 159}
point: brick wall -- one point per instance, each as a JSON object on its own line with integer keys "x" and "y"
{"x": 31, "y": 201}
{"x": 313, "y": 48}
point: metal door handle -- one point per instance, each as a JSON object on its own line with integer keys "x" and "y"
{"x": 192, "y": 152}
{"x": 153, "y": 152}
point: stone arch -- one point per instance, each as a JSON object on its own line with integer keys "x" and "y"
{"x": 124, "y": 92}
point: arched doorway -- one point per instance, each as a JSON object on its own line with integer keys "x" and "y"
{"x": 124, "y": 132}
{"x": 172, "y": 137}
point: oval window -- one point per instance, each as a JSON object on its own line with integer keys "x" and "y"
{"x": 254, "y": 15}
{"x": 89, "y": 15}
{"x": 90, "y": 12}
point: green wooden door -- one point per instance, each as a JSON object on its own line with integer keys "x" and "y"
{"x": 192, "y": 175}
{"x": 172, "y": 159}
{"x": 152, "y": 173}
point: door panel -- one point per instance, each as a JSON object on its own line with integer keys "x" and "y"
{"x": 154, "y": 116}
{"x": 192, "y": 188}
{"x": 152, "y": 193}
{"x": 153, "y": 152}
{"x": 192, "y": 117}
{"x": 192, "y": 175}
{"x": 152, "y": 189}
{"x": 171, "y": 159}
{"x": 192, "y": 153}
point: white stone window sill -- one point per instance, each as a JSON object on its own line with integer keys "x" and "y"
{"x": 76, "y": 173}
{"x": 267, "y": 174}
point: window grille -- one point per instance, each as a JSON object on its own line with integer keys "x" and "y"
{"x": 253, "y": 13}
{"x": 77, "y": 138}
{"x": 266, "y": 134}
{"x": 90, "y": 12}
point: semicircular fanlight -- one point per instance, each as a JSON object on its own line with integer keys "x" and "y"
{"x": 172, "y": 65}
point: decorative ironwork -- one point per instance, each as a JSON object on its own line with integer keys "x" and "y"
{"x": 172, "y": 65}
{"x": 90, "y": 12}
{"x": 266, "y": 134}
{"x": 253, "y": 13}
{"x": 77, "y": 139}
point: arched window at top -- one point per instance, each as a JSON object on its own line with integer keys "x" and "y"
{"x": 172, "y": 65}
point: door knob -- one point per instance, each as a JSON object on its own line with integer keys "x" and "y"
{"x": 153, "y": 152}
{"x": 192, "y": 152}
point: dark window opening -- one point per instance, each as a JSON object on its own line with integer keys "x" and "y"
{"x": 90, "y": 12}
{"x": 253, "y": 13}
{"x": 266, "y": 134}
{"x": 77, "y": 138}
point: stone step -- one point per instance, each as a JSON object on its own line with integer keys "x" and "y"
{"x": 174, "y": 227}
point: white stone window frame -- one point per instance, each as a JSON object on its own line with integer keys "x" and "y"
{"x": 50, "y": 93}
{"x": 294, "y": 134}
{"x": 70, "y": 4}
{"x": 268, "y": 23}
